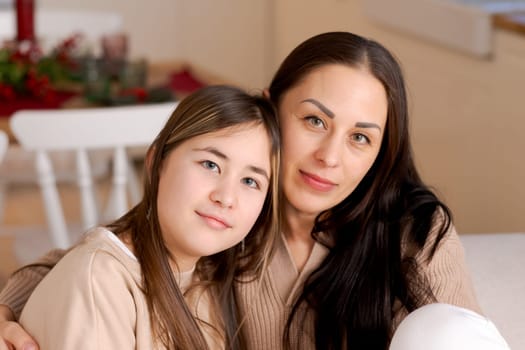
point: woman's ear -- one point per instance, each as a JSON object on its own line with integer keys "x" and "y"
{"x": 266, "y": 93}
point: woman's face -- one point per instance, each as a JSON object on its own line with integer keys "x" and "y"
{"x": 332, "y": 126}
{"x": 212, "y": 188}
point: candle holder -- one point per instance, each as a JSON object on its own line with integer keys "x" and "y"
{"x": 25, "y": 21}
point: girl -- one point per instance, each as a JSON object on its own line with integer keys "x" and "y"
{"x": 162, "y": 275}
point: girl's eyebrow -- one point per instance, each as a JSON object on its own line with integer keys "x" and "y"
{"x": 221, "y": 155}
{"x": 321, "y": 106}
{"x": 260, "y": 171}
{"x": 213, "y": 151}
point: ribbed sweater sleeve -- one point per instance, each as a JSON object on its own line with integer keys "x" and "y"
{"x": 448, "y": 274}
{"x": 22, "y": 283}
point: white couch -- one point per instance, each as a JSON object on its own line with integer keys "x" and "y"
{"x": 497, "y": 265}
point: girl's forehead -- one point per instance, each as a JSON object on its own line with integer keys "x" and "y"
{"x": 228, "y": 134}
{"x": 251, "y": 126}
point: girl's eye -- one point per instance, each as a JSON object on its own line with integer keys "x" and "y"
{"x": 361, "y": 138}
{"x": 208, "y": 164}
{"x": 250, "y": 182}
{"x": 315, "y": 122}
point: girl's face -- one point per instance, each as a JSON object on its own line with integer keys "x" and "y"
{"x": 332, "y": 126}
{"x": 211, "y": 190}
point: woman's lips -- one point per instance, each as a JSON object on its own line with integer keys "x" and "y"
{"x": 214, "y": 222}
{"x": 316, "y": 182}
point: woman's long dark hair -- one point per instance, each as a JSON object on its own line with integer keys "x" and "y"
{"x": 353, "y": 291}
{"x": 209, "y": 109}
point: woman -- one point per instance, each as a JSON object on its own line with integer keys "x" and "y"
{"x": 364, "y": 241}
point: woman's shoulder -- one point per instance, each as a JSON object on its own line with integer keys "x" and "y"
{"x": 431, "y": 235}
{"x": 442, "y": 238}
{"x": 442, "y": 247}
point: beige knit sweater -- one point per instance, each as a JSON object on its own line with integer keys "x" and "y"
{"x": 93, "y": 299}
{"x": 267, "y": 303}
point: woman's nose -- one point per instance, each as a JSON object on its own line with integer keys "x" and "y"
{"x": 329, "y": 152}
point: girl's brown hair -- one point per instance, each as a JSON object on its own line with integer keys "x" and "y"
{"x": 207, "y": 110}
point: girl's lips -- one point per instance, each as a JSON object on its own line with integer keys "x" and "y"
{"x": 214, "y": 222}
{"x": 316, "y": 182}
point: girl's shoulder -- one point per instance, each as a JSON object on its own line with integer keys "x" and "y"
{"x": 93, "y": 293}
{"x": 100, "y": 250}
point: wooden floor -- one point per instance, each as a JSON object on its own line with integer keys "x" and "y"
{"x": 22, "y": 207}
{"x": 8, "y": 262}
{"x": 23, "y": 228}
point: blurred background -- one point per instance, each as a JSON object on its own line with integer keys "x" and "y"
{"x": 464, "y": 63}
{"x": 467, "y": 110}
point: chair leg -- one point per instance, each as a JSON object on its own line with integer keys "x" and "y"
{"x": 134, "y": 185}
{"x": 3, "y": 188}
{"x": 117, "y": 203}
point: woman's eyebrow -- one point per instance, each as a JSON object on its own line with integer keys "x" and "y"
{"x": 331, "y": 114}
{"x": 321, "y": 106}
{"x": 367, "y": 125}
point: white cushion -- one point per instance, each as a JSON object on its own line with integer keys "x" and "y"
{"x": 497, "y": 265}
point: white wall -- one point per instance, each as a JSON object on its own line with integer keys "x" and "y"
{"x": 151, "y": 25}
{"x": 230, "y": 38}
{"x": 468, "y": 114}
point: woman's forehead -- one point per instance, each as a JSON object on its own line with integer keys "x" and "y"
{"x": 339, "y": 87}
{"x": 330, "y": 74}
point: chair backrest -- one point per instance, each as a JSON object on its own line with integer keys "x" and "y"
{"x": 3, "y": 144}
{"x": 83, "y": 131}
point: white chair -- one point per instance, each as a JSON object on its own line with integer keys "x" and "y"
{"x": 52, "y": 26}
{"x": 3, "y": 144}
{"x": 82, "y": 131}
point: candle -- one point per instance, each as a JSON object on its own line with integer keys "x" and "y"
{"x": 25, "y": 20}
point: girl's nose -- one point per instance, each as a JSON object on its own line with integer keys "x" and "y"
{"x": 224, "y": 195}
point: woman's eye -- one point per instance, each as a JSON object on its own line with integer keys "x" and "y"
{"x": 250, "y": 182}
{"x": 361, "y": 138}
{"x": 208, "y": 164}
{"x": 315, "y": 122}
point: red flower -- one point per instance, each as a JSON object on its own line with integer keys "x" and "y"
{"x": 139, "y": 93}
{"x": 7, "y": 92}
